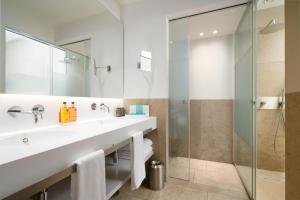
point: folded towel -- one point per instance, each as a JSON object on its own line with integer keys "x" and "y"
{"x": 147, "y": 151}
{"x": 89, "y": 180}
{"x": 124, "y": 155}
{"x": 126, "y": 148}
{"x": 138, "y": 172}
{"x": 147, "y": 142}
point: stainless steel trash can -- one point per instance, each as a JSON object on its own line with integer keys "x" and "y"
{"x": 156, "y": 175}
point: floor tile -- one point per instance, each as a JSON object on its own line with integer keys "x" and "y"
{"x": 208, "y": 181}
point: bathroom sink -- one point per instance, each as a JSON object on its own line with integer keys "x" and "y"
{"x": 37, "y": 138}
{"x": 59, "y": 146}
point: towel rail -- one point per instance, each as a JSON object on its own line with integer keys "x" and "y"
{"x": 28, "y": 192}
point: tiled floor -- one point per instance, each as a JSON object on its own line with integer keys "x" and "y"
{"x": 270, "y": 185}
{"x": 209, "y": 181}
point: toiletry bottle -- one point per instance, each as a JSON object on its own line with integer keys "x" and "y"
{"x": 64, "y": 113}
{"x": 73, "y": 112}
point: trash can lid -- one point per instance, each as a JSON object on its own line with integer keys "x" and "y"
{"x": 156, "y": 162}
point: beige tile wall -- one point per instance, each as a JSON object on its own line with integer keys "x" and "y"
{"x": 211, "y": 128}
{"x": 158, "y": 108}
{"x": 270, "y": 81}
{"x": 268, "y": 157}
{"x": 292, "y": 82}
{"x": 292, "y": 146}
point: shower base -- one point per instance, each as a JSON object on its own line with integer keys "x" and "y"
{"x": 270, "y": 185}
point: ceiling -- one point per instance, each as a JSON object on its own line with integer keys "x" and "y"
{"x": 224, "y": 21}
{"x": 58, "y": 12}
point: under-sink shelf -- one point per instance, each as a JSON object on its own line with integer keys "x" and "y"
{"x": 118, "y": 174}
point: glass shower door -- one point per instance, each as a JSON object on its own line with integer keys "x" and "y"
{"x": 244, "y": 106}
{"x": 179, "y": 155}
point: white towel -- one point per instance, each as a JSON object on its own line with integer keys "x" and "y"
{"x": 147, "y": 151}
{"x": 88, "y": 183}
{"x": 138, "y": 172}
{"x": 147, "y": 142}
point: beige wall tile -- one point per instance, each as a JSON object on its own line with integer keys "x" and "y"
{"x": 267, "y": 157}
{"x": 292, "y": 69}
{"x": 158, "y": 108}
{"x": 211, "y": 127}
{"x": 292, "y": 146}
{"x": 270, "y": 79}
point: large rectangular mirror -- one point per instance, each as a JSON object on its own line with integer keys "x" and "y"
{"x": 61, "y": 48}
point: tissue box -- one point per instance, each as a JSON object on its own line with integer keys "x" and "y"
{"x": 139, "y": 110}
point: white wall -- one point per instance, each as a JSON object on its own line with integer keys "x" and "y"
{"x": 145, "y": 25}
{"x": 106, "y": 33}
{"x": 212, "y": 68}
{"x": 8, "y": 125}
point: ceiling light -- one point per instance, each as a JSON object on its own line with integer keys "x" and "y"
{"x": 201, "y": 34}
{"x": 215, "y": 31}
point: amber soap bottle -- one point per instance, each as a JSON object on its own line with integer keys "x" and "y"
{"x": 72, "y": 113}
{"x": 64, "y": 113}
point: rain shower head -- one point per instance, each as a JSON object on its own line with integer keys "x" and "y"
{"x": 272, "y": 27}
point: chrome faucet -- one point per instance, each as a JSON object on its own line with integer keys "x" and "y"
{"x": 37, "y": 111}
{"x": 103, "y": 107}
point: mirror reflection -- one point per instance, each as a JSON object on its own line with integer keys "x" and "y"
{"x": 62, "y": 48}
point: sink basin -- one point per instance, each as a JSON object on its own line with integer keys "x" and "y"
{"x": 58, "y": 147}
{"x": 45, "y": 137}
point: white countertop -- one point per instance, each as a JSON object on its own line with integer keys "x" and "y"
{"x": 43, "y": 139}
{"x": 53, "y": 149}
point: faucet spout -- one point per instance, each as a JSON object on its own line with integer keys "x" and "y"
{"x": 36, "y": 111}
{"x": 103, "y": 107}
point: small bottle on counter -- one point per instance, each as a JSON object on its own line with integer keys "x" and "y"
{"x": 64, "y": 113}
{"x": 72, "y": 113}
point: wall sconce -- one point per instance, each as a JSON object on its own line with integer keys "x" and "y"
{"x": 108, "y": 68}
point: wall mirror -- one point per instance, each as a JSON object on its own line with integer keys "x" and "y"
{"x": 61, "y": 48}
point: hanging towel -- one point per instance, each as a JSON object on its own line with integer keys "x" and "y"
{"x": 88, "y": 183}
{"x": 138, "y": 172}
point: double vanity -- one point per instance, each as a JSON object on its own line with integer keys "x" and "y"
{"x": 27, "y": 157}
{"x": 56, "y": 52}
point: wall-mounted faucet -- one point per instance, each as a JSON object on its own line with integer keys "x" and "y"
{"x": 103, "y": 107}
{"x": 37, "y": 111}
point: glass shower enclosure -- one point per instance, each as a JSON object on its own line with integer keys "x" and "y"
{"x": 179, "y": 137}
{"x": 244, "y": 106}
